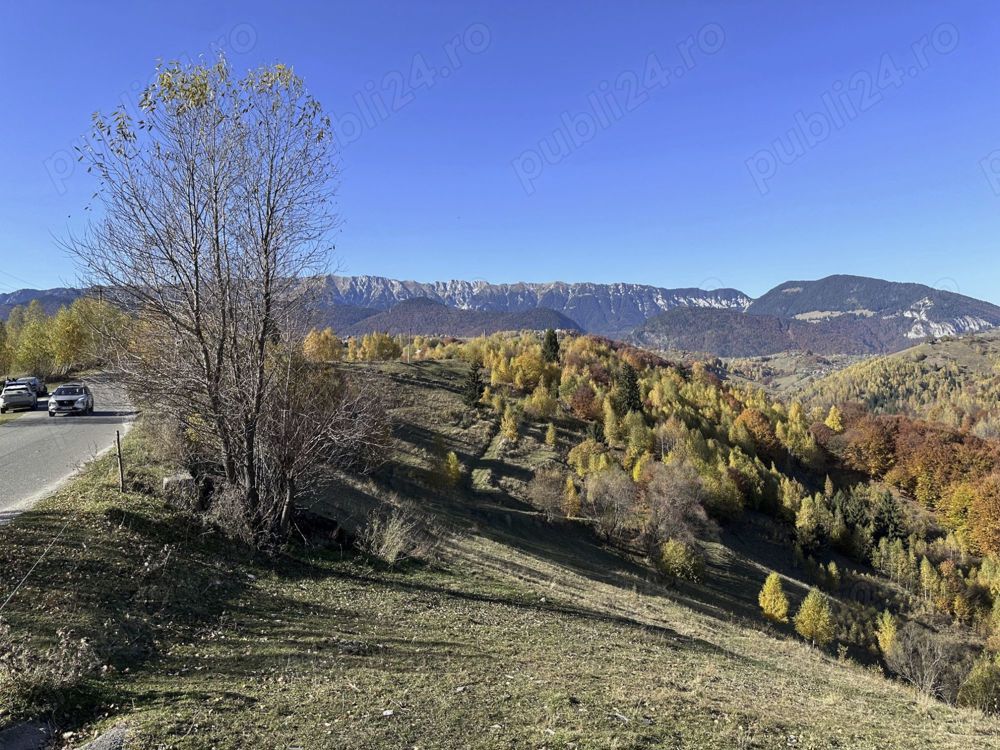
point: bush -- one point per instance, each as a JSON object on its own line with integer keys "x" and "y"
{"x": 928, "y": 661}
{"x": 451, "y": 470}
{"x": 611, "y": 499}
{"x": 399, "y": 534}
{"x": 981, "y": 688}
{"x": 679, "y": 560}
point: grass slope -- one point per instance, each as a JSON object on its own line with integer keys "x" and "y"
{"x": 527, "y": 634}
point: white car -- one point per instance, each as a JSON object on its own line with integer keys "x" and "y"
{"x": 17, "y": 396}
{"x": 71, "y": 398}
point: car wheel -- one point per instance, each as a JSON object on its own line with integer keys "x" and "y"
{"x": 51, "y": 414}
{"x": 3, "y": 411}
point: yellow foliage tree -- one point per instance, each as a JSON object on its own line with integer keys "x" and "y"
{"x": 322, "y": 346}
{"x": 885, "y": 632}
{"x": 834, "y": 420}
{"x": 508, "y": 425}
{"x": 772, "y": 599}
{"x": 379, "y": 347}
{"x": 814, "y": 620}
{"x": 452, "y": 470}
{"x": 571, "y": 499}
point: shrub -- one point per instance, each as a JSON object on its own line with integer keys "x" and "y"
{"x": 399, "y": 534}
{"x": 981, "y": 689}
{"x": 550, "y": 435}
{"x": 930, "y": 662}
{"x": 679, "y": 560}
{"x": 451, "y": 471}
{"x": 611, "y": 497}
{"x": 772, "y": 599}
{"x": 673, "y": 494}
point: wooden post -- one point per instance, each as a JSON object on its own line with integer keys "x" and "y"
{"x": 121, "y": 466}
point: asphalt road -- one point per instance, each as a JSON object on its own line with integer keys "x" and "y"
{"x": 38, "y": 453}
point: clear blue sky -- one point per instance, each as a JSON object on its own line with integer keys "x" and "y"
{"x": 675, "y": 181}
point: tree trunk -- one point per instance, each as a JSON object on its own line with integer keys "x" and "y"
{"x": 286, "y": 509}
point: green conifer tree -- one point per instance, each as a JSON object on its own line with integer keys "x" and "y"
{"x": 550, "y": 346}
{"x": 472, "y": 390}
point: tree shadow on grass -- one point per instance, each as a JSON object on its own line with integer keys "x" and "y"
{"x": 122, "y": 578}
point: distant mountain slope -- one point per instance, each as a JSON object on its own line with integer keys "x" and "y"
{"x": 609, "y": 309}
{"x": 725, "y": 333}
{"x": 50, "y": 299}
{"x": 730, "y": 333}
{"x": 954, "y": 380}
{"x": 428, "y": 317}
{"x": 926, "y": 311}
{"x": 342, "y": 317}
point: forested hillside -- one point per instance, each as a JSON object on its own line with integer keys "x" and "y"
{"x": 667, "y": 456}
{"x": 955, "y": 381}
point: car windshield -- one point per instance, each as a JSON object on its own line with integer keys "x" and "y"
{"x": 69, "y": 391}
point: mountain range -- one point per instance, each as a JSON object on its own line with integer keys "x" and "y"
{"x": 835, "y": 315}
{"x": 420, "y": 315}
{"x": 606, "y": 309}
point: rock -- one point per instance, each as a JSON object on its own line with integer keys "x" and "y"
{"x": 180, "y": 490}
{"x": 113, "y": 739}
{"x": 31, "y": 735}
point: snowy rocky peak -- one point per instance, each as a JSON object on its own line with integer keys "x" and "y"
{"x": 601, "y": 308}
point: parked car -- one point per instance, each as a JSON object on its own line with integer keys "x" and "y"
{"x": 71, "y": 398}
{"x": 37, "y": 385}
{"x": 17, "y": 396}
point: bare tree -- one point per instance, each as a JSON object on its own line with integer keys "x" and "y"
{"x": 216, "y": 210}
{"x": 546, "y": 490}
{"x": 321, "y": 419}
{"x": 611, "y": 498}
{"x": 673, "y": 493}
{"x": 930, "y": 662}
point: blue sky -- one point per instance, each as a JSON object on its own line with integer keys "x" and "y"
{"x": 673, "y": 143}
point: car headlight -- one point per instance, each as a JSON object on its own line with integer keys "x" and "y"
{"x": 81, "y": 400}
